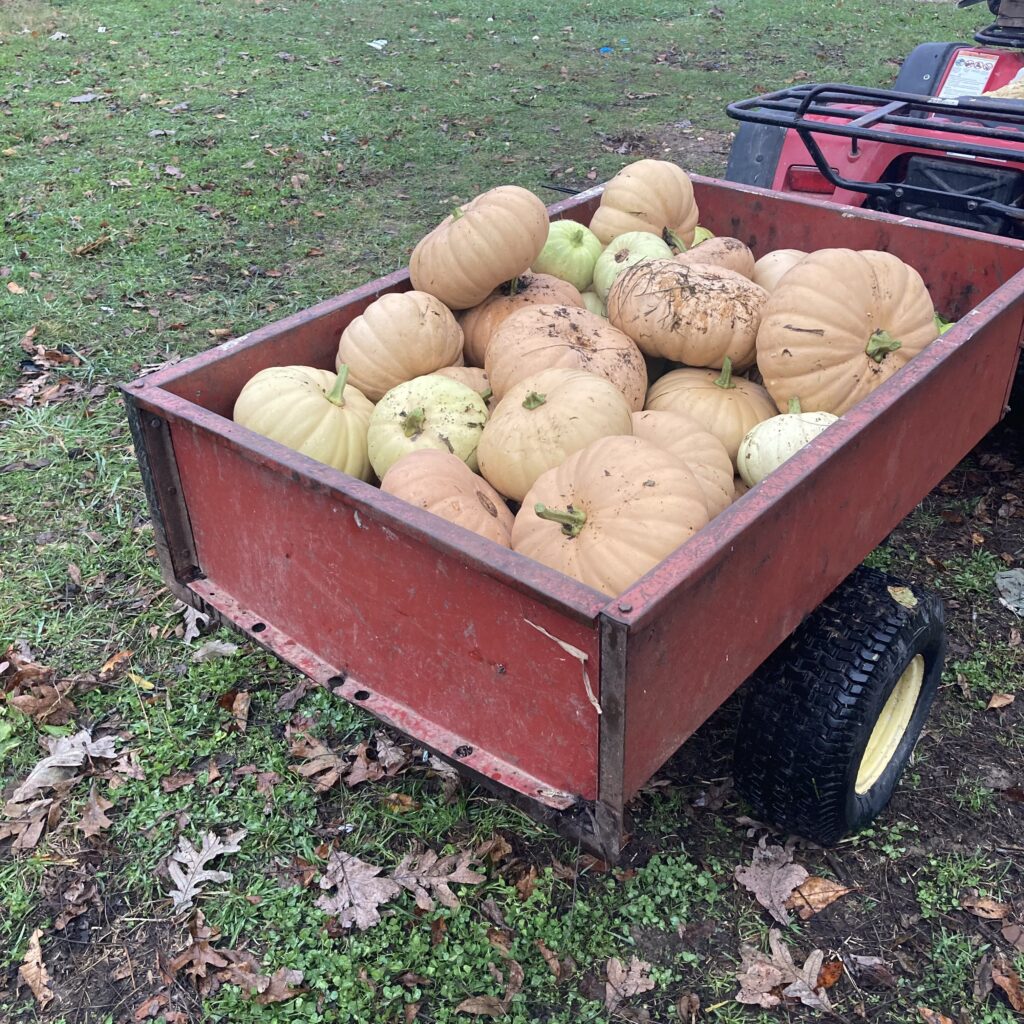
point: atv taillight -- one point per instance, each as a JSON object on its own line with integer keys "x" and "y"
{"x": 807, "y": 179}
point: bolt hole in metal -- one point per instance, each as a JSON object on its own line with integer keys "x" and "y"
{"x": 258, "y": 627}
{"x": 891, "y": 725}
{"x": 463, "y": 751}
{"x": 361, "y": 695}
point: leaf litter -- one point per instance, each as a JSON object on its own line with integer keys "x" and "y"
{"x": 188, "y": 870}
{"x": 772, "y": 877}
{"x": 769, "y": 980}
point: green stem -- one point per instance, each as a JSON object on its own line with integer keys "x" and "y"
{"x": 457, "y": 213}
{"x": 513, "y": 285}
{"x": 880, "y": 344}
{"x": 572, "y": 519}
{"x": 487, "y": 395}
{"x": 413, "y": 422}
{"x": 673, "y": 240}
{"x": 534, "y": 401}
{"x": 725, "y": 379}
{"x": 794, "y": 406}
{"x": 337, "y": 394}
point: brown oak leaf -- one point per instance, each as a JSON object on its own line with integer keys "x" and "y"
{"x": 93, "y": 820}
{"x": 1006, "y": 978}
{"x": 420, "y": 872}
{"x": 187, "y": 866}
{"x": 985, "y": 907}
{"x": 932, "y": 1017}
{"x": 33, "y": 973}
{"x": 318, "y": 760}
{"x": 358, "y": 891}
{"x": 768, "y": 980}
{"x": 624, "y": 982}
{"x": 67, "y": 755}
{"x": 813, "y": 895}
{"x": 772, "y": 876}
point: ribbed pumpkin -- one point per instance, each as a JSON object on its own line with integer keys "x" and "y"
{"x": 727, "y": 406}
{"x": 313, "y": 411}
{"x": 721, "y": 251}
{"x": 472, "y": 376}
{"x": 610, "y": 512}
{"x": 529, "y": 289}
{"x": 623, "y": 252}
{"x": 426, "y": 412}
{"x": 768, "y": 444}
{"x": 647, "y": 195}
{"x": 443, "y": 484}
{"x": 839, "y": 324}
{"x": 697, "y": 315}
{"x": 771, "y": 267}
{"x": 490, "y": 239}
{"x": 399, "y": 336}
{"x": 705, "y": 456}
{"x": 538, "y": 337}
{"x": 542, "y": 420}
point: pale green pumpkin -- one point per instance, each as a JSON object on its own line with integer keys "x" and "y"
{"x": 624, "y": 252}
{"x": 569, "y": 253}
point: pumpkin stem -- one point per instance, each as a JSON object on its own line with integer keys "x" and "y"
{"x": 337, "y": 393}
{"x": 794, "y": 406}
{"x": 880, "y": 344}
{"x": 487, "y": 395}
{"x": 673, "y": 240}
{"x": 514, "y": 285}
{"x": 534, "y": 401}
{"x": 457, "y": 213}
{"x": 572, "y": 519}
{"x": 413, "y": 423}
{"x": 725, "y": 379}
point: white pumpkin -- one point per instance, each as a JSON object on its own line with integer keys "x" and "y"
{"x": 427, "y": 412}
{"x": 771, "y": 442}
{"x": 624, "y": 252}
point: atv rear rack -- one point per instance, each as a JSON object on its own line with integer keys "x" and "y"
{"x": 971, "y": 128}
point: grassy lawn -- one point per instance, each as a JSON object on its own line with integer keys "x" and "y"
{"x": 174, "y": 173}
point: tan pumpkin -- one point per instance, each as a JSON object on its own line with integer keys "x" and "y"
{"x": 399, "y": 336}
{"x": 313, "y": 411}
{"x": 697, "y": 315}
{"x": 443, "y": 484}
{"x": 529, "y": 289}
{"x": 771, "y": 267}
{"x": 472, "y": 376}
{"x": 741, "y": 486}
{"x": 705, "y": 456}
{"x": 542, "y": 420}
{"x": 490, "y": 239}
{"x": 721, "y": 251}
{"x": 647, "y": 195}
{"x": 839, "y": 324}
{"x": 727, "y": 406}
{"x": 610, "y": 513}
{"x": 538, "y": 337}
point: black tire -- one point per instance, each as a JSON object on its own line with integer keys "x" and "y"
{"x": 812, "y": 706}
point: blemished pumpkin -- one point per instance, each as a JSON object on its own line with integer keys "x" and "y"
{"x": 704, "y": 455}
{"x": 697, "y": 315}
{"x": 538, "y": 337}
{"x": 426, "y": 412}
{"x": 770, "y": 268}
{"x": 726, "y": 405}
{"x": 443, "y": 484}
{"x": 647, "y": 195}
{"x": 492, "y": 238}
{"x": 312, "y": 411}
{"x": 542, "y": 420}
{"x": 720, "y": 251}
{"x": 839, "y": 324}
{"x": 623, "y": 252}
{"x": 610, "y": 512}
{"x": 399, "y": 336}
{"x": 529, "y": 289}
{"x": 768, "y": 444}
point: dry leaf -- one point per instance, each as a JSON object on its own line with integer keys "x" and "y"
{"x": 872, "y": 972}
{"x": 985, "y": 907}
{"x": 67, "y": 755}
{"x": 283, "y": 985}
{"x": 931, "y": 1017}
{"x": 551, "y": 959}
{"x": 814, "y": 895}
{"x": 240, "y": 710}
{"x": 390, "y": 755}
{"x": 830, "y": 973}
{"x": 771, "y": 877}
{"x": 113, "y": 664}
{"x": 761, "y": 977}
{"x": 192, "y": 617}
{"x": 14, "y": 288}
{"x": 32, "y": 971}
{"x": 93, "y": 820}
{"x": 426, "y": 871}
{"x": 187, "y": 866}
{"x": 688, "y": 1007}
{"x": 214, "y": 649}
{"x": 48, "y": 704}
{"x": 362, "y": 768}
{"x": 624, "y": 982}
{"x": 999, "y": 700}
{"x": 1007, "y": 979}
{"x": 320, "y": 760}
{"x": 526, "y": 882}
{"x": 151, "y": 1007}
{"x": 903, "y": 596}
{"x": 359, "y": 892}
{"x": 1014, "y": 935}
{"x": 172, "y": 783}
{"x": 199, "y": 956}
{"x": 25, "y": 823}
{"x": 482, "y": 1006}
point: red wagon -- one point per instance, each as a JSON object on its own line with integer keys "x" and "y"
{"x": 566, "y": 701}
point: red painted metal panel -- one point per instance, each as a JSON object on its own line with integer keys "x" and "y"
{"x": 417, "y": 626}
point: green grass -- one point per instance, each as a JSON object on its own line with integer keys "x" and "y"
{"x": 241, "y": 161}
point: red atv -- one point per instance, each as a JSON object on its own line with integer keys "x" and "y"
{"x": 934, "y": 147}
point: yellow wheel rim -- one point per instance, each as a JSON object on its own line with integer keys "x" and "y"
{"x": 891, "y": 725}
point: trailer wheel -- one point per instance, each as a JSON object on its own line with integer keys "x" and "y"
{"x": 831, "y": 718}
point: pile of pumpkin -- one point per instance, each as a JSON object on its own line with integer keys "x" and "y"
{"x": 524, "y": 388}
